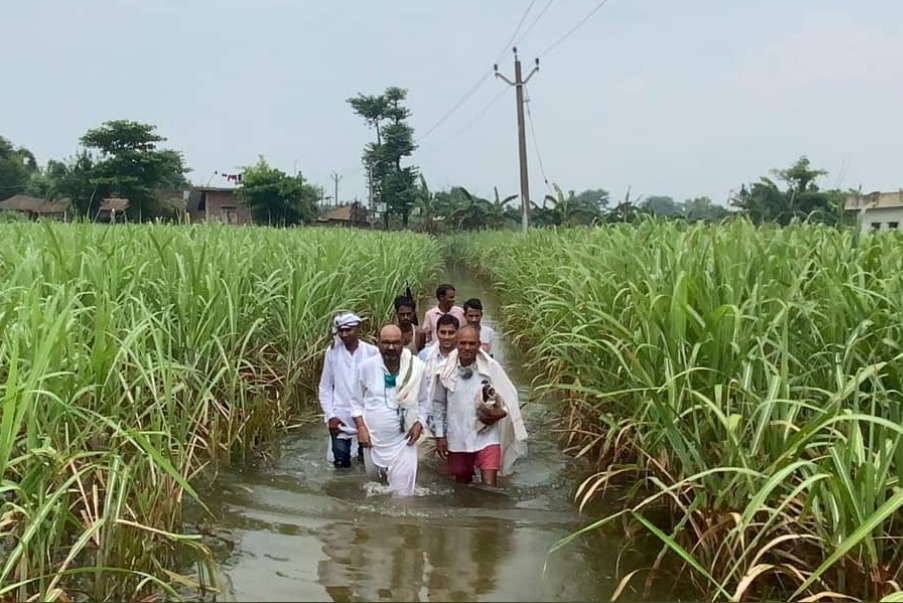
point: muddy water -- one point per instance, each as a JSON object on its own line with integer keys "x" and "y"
{"x": 303, "y": 531}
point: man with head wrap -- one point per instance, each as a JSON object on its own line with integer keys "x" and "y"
{"x": 340, "y": 364}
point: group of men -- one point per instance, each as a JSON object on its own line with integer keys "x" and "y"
{"x": 438, "y": 382}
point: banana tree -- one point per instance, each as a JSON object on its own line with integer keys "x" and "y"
{"x": 425, "y": 205}
{"x": 501, "y": 214}
{"x": 563, "y": 210}
{"x": 472, "y": 212}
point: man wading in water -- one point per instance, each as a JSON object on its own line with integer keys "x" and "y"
{"x": 389, "y": 407}
{"x": 472, "y": 432}
{"x": 473, "y": 312}
{"x": 445, "y": 296}
{"x": 336, "y": 384}
{"x": 435, "y": 354}
{"x": 405, "y": 317}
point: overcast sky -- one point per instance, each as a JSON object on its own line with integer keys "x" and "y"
{"x": 672, "y": 97}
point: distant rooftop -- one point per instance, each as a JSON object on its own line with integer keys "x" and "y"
{"x": 34, "y": 205}
{"x": 875, "y": 200}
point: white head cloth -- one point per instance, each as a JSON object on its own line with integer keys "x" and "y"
{"x": 345, "y": 319}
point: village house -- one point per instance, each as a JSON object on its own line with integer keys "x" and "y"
{"x": 216, "y": 204}
{"x": 352, "y": 214}
{"x": 112, "y": 210}
{"x": 877, "y": 211}
{"x": 36, "y": 208}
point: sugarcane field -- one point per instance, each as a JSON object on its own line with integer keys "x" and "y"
{"x": 517, "y": 301}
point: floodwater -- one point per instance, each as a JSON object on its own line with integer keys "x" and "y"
{"x": 301, "y": 530}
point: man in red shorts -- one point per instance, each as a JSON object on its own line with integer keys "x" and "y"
{"x": 467, "y": 434}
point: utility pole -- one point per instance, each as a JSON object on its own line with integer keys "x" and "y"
{"x": 370, "y": 187}
{"x": 335, "y": 179}
{"x": 518, "y": 84}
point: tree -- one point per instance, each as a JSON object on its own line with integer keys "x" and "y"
{"x": 501, "y": 214}
{"x": 132, "y": 166}
{"x": 426, "y": 207}
{"x": 17, "y": 166}
{"x": 704, "y": 209}
{"x": 661, "y": 205}
{"x": 471, "y": 212}
{"x": 565, "y": 210}
{"x": 597, "y": 197}
{"x": 625, "y": 211}
{"x": 393, "y": 184}
{"x": 74, "y": 179}
{"x": 800, "y": 177}
{"x": 764, "y": 201}
{"x": 276, "y": 197}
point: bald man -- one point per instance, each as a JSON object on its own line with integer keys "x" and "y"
{"x": 389, "y": 405}
{"x": 469, "y": 435}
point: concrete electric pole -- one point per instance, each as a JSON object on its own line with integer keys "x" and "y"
{"x": 518, "y": 84}
{"x": 335, "y": 179}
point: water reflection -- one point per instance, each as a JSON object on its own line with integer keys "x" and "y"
{"x": 412, "y": 563}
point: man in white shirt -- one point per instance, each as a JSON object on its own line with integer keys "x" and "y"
{"x": 466, "y": 441}
{"x": 389, "y": 407}
{"x": 473, "y": 314}
{"x": 336, "y": 385}
{"x": 434, "y": 355}
{"x": 446, "y": 334}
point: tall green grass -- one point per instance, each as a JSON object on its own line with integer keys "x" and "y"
{"x": 131, "y": 357}
{"x": 746, "y": 380}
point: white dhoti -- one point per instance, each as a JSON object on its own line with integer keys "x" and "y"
{"x": 390, "y": 451}
{"x": 381, "y": 404}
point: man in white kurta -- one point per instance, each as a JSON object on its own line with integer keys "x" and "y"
{"x": 465, "y": 438}
{"x": 337, "y": 383}
{"x": 389, "y": 408}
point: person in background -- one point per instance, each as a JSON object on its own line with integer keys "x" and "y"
{"x": 389, "y": 407}
{"x": 336, "y": 385}
{"x": 445, "y": 296}
{"x": 406, "y": 318}
{"x": 470, "y": 434}
{"x": 473, "y": 313}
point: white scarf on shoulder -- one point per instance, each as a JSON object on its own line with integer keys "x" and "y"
{"x": 512, "y": 431}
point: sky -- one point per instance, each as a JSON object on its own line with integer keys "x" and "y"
{"x": 667, "y": 97}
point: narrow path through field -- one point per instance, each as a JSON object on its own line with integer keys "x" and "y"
{"x": 302, "y": 531}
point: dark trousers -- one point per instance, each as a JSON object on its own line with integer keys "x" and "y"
{"x": 341, "y": 451}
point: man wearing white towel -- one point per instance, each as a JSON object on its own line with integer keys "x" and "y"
{"x": 389, "y": 407}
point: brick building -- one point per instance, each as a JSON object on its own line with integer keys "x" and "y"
{"x": 211, "y": 203}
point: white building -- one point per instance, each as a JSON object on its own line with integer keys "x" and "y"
{"x": 878, "y": 211}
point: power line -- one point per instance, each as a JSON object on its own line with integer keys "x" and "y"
{"x": 460, "y": 102}
{"x": 573, "y": 29}
{"x": 514, "y": 35}
{"x": 542, "y": 168}
{"x": 479, "y": 115}
{"x": 535, "y": 21}
{"x": 479, "y": 82}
